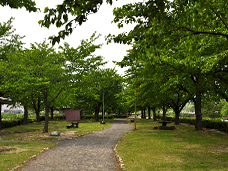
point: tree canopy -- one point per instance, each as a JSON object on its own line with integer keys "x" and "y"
{"x": 69, "y": 14}
{"x": 179, "y": 53}
{"x": 29, "y": 5}
{"x": 178, "y": 45}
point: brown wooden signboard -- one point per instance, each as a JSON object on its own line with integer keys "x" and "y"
{"x": 73, "y": 115}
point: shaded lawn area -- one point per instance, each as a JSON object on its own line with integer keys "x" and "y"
{"x": 33, "y": 131}
{"x": 13, "y": 154}
{"x": 20, "y": 143}
{"x": 181, "y": 149}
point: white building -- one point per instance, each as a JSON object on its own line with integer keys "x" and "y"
{"x": 10, "y": 109}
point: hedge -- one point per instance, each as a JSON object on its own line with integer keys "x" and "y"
{"x": 16, "y": 122}
{"x": 206, "y": 123}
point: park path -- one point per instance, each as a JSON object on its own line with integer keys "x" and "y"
{"x": 93, "y": 152}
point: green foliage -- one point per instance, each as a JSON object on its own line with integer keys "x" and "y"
{"x": 179, "y": 51}
{"x": 215, "y": 124}
{"x": 208, "y": 123}
{"x": 80, "y": 62}
{"x": 106, "y": 116}
{"x": 213, "y": 109}
{"x": 11, "y": 120}
{"x": 97, "y": 82}
{"x": 28, "y": 4}
{"x": 59, "y": 16}
{"x": 9, "y": 41}
{"x": 33, "y": 72}
{"x": 224, "y": 110}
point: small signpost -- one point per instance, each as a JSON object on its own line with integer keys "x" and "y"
{"x": 73, "y": 116}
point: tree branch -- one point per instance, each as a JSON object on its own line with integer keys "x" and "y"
{"x": 60, "y": 91}
{"x": 203, "y": 32}
{"x": 219, "y": 16}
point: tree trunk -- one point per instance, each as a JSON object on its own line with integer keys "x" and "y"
{"x": 0, "y": 116}
{"x": 144, "y": 113}
{"x": 154, "y": 113}
{"x": 37, "y": 115}
{"x": 97, "y": 112}
{"x": 37, "y": 109}
{"x": 25, "y": 116}
{"x": 149, "y": 116}
{"x": 198, "y": 112}
{"x": 164, "y": 113}
{"x": 52, "y": 113}
{"x": 46, "y": 113}
{"x": 177, "y": 116}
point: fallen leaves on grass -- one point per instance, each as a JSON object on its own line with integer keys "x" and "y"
{"x": 11, "y": 149}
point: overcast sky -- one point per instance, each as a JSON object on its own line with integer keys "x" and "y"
{"x": 26, "y": 24}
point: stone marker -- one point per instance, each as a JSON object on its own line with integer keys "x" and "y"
{"x": 55, "y": 133}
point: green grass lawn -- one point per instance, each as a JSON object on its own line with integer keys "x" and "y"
{"x": 14, "y": 151}
{"x": 33, "y": 131}
{"x": 147, "y": 149}
{"x": 13, "y": 154}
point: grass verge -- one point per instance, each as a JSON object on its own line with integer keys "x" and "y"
{"x": 181, "y": 149}
{"x": 19, "y": 144}
{"x": 33, "y": 131}
{"x": 13, "y": 154}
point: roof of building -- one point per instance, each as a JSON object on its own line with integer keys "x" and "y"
{"x": 5, "y": 100}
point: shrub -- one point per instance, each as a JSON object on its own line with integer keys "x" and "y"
{"x": 208, "y": 123}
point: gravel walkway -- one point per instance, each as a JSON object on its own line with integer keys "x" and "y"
{"x": 91, "y": 152}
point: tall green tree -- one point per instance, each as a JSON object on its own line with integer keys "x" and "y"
{"x": 9, "y": 42}
{"x": 34, "y": 73}
{"x": 183, "y": 35}
{"x": 100, "y": 81}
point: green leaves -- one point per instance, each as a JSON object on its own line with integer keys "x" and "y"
{"x": 59, "y": 16}
{"x": 9, "y": 42}
{"x": 28, "y": 4}
{"x": 179, "y": 48}
{"x": 99, "y": 81}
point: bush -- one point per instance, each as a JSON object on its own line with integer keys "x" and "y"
{"x": 215, "y": 124}
{"x": 14, "y": 121}
{"x": 8, "y": 124}
{"x": 120, "y": 116}
{"x": 106, "y": 116}
{"x": 208, "y": 123}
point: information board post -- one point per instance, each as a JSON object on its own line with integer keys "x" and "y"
{"x": 73, "y": 116}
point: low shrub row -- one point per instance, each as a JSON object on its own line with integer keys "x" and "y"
{"x": 215, "y": 124}
{"x": 8, "y": 124}
{"x": 16, "y": 122}
{"x": 101, "y": 117}
{"x": 206, "y": 123}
